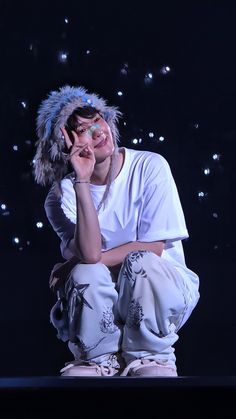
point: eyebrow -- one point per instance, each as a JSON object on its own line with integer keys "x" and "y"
{"x": 86, "y": 123}
{"x": 82, "y": 123}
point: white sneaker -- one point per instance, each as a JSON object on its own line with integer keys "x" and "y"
{"x": 147, "y": 368}
{"x": 76, "y": 369}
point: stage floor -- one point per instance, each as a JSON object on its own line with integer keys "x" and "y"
{"x": 44, "y": 382}
{"x": 123, "y": 397}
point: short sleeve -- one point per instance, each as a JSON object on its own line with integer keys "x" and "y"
{"x": 162, "y": 216}
{"x": 60, "y": 223}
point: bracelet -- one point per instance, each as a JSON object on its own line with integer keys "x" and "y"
{"x": 81, "y": 181}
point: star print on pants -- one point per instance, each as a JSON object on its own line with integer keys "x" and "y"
{"x": 80, "y": 289}
{"x": 77, "y": 301}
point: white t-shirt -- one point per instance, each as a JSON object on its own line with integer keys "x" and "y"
{"x": 143, "y": 205}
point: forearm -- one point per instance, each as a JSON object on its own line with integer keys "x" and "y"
{"x": 87, "y": 238}
{"x": 117, "y": 255}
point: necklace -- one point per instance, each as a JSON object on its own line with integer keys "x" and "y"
{"x": 111, "y": 175}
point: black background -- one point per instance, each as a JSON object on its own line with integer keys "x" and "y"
{"x": 192, "y": 106}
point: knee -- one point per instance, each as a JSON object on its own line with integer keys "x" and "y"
{"x": 147, "y": 267}
{"x": 136, "y": 256}
{"x": 89, "y": 272}
{"x": 135, "y": 261}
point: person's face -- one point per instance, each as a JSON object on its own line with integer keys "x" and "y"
{"x": 97, "y": 133}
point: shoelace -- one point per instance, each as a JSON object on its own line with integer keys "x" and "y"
{"x": 138, "y": 362}
{"x": 69, "y": 365}
{"x": 105, "y": 370}
{"x": 133, "y": 364}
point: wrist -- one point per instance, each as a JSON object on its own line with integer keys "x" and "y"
{"x": 75, "y": 181}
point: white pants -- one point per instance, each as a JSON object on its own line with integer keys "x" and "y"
{"x": 138, "y": 316}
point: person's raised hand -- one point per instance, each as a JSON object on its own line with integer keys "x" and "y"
{"x": 81, "y": 155}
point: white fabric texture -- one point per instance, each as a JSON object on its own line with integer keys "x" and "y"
{"x": 138, "y": 317}
{"x": 154, "y": 296}
{"x": 154, "y": 303}
{"x": 143, "y": 205}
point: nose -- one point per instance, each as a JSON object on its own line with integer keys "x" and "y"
{"x": 96, "y": 131}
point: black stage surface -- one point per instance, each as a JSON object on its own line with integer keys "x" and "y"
{"x": 124, "y": 397}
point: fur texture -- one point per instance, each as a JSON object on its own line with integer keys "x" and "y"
{"x": 50, "y": 162}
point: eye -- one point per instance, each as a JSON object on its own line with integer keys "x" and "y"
{"x": 97, "y": 118}
{"x": 80, "y": 130}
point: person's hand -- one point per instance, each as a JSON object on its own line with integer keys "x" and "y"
{"x": 80, "y": 155}
{"x": 60, "y": 272}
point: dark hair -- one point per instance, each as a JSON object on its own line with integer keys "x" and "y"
{"x": 86, "y": 112}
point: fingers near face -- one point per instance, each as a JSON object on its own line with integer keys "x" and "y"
{"x": 71, "y": 139}
{"x": 67, "y": 138}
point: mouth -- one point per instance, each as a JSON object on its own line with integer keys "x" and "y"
{"x": 101, "y": 143}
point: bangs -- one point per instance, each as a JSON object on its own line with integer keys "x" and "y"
{"x": 85, "y": 112}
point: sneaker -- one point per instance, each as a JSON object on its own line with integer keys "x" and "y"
{"x": 75, "y": 369}
{"x": 148, "y": 368}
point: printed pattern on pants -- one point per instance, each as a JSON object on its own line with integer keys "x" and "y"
{"x": 138, "y": 316}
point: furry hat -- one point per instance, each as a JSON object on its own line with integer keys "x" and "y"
{"x": 50, "y": 162}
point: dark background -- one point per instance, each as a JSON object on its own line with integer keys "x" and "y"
{"x": 111, "y": 47}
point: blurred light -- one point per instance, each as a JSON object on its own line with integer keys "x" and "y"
{"x": 161, "y": 138}
{"x": 124, "y": 69}
{"x": 165, "y": 69}
{"x": 206, "y": 171}
{"x": 216, "y": 156}
{"x": 66, "y": 20}
{"x": 24, "y": 104}
{"x": 135, "y": 141}
{"x": 16, "y": 240}
{"x": 33, "y": 48}
{"x": 39, "y": 224}
{"x": 151, "y": 134}
{"x": 148, "y": 78}
{"x": 88, "y": 51}
{"x": 215, "y": 215}
{"x": 15, "y": 147}
{"x": 194, "y": 125}
{"x": 63, "y": 56}
{"x": 124, "y": 123}
{"x": 4, "y": 210}
{"x": 120, "y": 93}
{"x": 202, "y": 195}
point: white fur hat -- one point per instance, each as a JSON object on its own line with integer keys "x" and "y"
{"x": 50, "y": 162}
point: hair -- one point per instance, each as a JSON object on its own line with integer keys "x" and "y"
{"x": 85, "y": 112}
